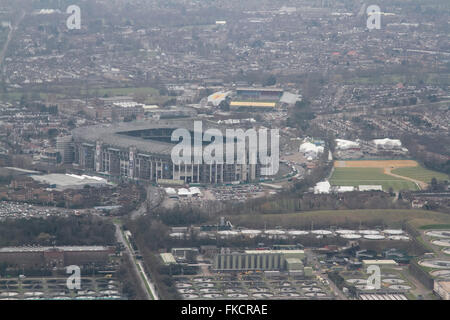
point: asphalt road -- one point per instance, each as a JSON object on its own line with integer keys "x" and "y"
{"x": 315, "y": 263}
{"x": 137, "y": 267}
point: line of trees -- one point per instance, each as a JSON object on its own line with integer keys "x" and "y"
{"x": 87, "y": 230}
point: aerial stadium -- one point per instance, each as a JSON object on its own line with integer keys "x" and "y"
{"x": 142, "y": 151}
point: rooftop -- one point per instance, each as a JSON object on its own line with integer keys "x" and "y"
{"x": 69, "y": 181}
{"x": 62, "y": 248}
{"x": 168, "y": 258}
{"x": 109, "y": 134}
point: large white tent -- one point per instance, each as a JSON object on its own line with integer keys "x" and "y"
{"x": 346, "y": 144}
{"x": 387, "y": 143}
{"x": 311, "y": 150}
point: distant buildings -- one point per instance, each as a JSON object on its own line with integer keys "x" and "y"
{"x": 64, "y": 145}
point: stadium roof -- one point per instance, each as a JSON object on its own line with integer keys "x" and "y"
{"x": 260, "y": 89}
{"x": 109, "y": 134}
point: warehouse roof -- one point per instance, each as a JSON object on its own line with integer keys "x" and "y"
{"x": 275, "y": 251}
{"x": 168, "y": 258}
{"x": 62, "y": 248}
{"x": 69, "y": 181}
{"x": 379, "y": 262}
{"x": 260, "y": 89}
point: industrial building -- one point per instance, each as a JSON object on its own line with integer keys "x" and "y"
{"x": 54, "y": 256}
{"x": 142, "y": 151}
{"x": 168, "y": 258}
{"x": 442, "y": 288}
{"x": 259, "y": 260}
{"x": 69, "y": 181}
{"x": 184, "y": 253}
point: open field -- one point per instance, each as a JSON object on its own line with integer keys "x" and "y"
{"x": 125, "y": 91}
{"x": 343, "y": 218}
{"x": 395, "y": 174}
{"x": 376, "y": 164}
{"x": 152, "y": 95}
{"x": 355, "y": 176}
{"x": 421, "y": 174}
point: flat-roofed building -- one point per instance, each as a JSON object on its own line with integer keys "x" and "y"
{"x": 70, "y": 181}
{"x": 258, "y": 260}
{"x": 168, "y": 258}
{"x": 442, "y": 288}
{"x": 184, "y": 253}
{"x": 54, "y": 256}
{"x": 379, "y": 262}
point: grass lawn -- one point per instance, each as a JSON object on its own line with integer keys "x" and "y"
{"x": 421, "y": 174}
{"x": 124, "y": 91}
{"x": 369, "y": 176}
{"x": 326, "y": 218}
{"x": 151, "y": 94}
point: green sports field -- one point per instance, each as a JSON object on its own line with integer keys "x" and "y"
{"x": 421, "y": 174}
{"x": 369, "y": 176}
{"x": 345, "y": 218}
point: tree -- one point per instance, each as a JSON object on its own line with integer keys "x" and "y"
{"x": 434, "y": 184}
{"x": 44, "y": 238}
{"x": 270, "y": 81}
